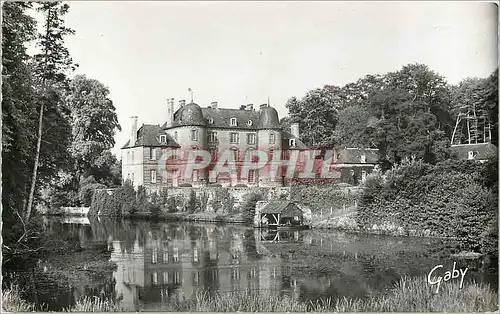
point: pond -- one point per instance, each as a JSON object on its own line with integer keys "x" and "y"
{"x": 146, "y": 264}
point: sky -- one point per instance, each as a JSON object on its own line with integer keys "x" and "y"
{"x": 244, "y": 52}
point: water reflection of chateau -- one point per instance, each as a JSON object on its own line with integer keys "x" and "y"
{"x": 176, "y": 262}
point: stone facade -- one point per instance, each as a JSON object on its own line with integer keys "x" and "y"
{"x": 220, "y": 131}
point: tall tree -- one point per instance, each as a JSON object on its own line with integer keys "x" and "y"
{"x": 51, "y": 66}
{"x": 93, "y": 119}
{"x": 18, "y": 113}
{"x": 351, "y": 126}
{"x": 317, "y": 114}
{"x": 427, "y": 86}
{"x": 404, "y": 127}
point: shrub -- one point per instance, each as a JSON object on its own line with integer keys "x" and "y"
{"x": 442, "y": 200}
{"x": 87, "y": 187}
{"x": 321, "y": 197}
{"x": 153, "y": 205}
{"x": 249, "y": 203}
{"x": 223, "y": 201}
{"x": 191, "y": 203}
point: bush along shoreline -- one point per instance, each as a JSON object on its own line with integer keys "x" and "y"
{"x": 454, "y": 200}
{"x": 408, "y": 295}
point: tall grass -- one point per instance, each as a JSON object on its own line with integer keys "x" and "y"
{"x": 13, "y": 302}
{"x": 415, "y": 295}
{"x": 408, "y": 295}
{"x": 95, "y": 304}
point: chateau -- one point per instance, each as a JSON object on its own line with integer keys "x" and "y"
{"x": 219, "y": 131}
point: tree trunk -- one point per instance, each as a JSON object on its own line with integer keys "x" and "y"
{"x": 455, "y": 130}
{"x": 468, "y": 126}
{"x": 40, "y": 127}
{"x": 35, "y": 168}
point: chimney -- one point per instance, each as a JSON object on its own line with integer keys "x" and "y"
{"x": 170, "y": 112}
{"x": 243, "y": 107}
{"x": 214, "y": 104}
{"x": 294, "y": 129}
{"x": 182, "y": 103}
{"x": 133, "y": 137}
{"x": 263, "y": 106}
{"x": 249, "y": 107}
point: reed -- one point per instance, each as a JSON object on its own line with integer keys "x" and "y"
{"x": 13, "y": 302}
{"x": 407, "y": 295}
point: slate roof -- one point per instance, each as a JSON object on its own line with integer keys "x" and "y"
{"x": 269, "y": 118}
{"x": 276, "y": 206}
{"x": 192, "y": 114}
{"x": 353, "y": 155}
{"x": 221, "y": 118}
{"x": 285, "y": 138}
{"x": 482, "y": 151}
{"x": 149, "y": 135}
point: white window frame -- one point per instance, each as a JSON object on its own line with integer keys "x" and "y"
{"x": 152, "y": 153}
{"x": 470, "y": 155}
{"x": 233, "y": 122}
{"x": 212, "y": 137}
{"x": 154, "y": 256}
{"x": 163, "y": 138}
{"x": 251, "y": 176}
{"x": 249, "y": 122}
{"x": 272, "y": 138}
{"x": 154, "y": 278}
{"x": 210, "y": 120}
{"x": 194, "y": 135}
{"x": 212, "y": 177}
{"x": 292, "y": 142}
{"x": 237, "y": 138}
{"x": 363, "y": 159}
{"x": 153, "y": 176}
{"x": 251, "y": 136}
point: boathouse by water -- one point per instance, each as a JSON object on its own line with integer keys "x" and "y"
{"x": 281, "y": 213}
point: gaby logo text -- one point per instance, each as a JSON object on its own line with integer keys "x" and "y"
{"x": 448, "y": 275}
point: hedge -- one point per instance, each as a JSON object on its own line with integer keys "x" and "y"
{"x": 450, "y": 199}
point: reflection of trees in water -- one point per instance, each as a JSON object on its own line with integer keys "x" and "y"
{"x": 250, "y": 244}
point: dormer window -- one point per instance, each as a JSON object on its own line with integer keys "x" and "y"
{"x": 292, "y": 142}
{"x": 232, "y": 122}
{"x": 249, "y": 123}
{"x": 163, "y": 138}
{"x": 363, "y": 159}
{"x": 210, "y": 120}
{"x": 470, "y": 155}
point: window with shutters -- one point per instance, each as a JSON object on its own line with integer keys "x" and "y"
{"x": 251, "y": 139}
{"x": 272, "y": 138}
{"x": 233, "y": 138}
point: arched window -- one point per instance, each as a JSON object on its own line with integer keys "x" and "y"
{"x": 232, "y": 122}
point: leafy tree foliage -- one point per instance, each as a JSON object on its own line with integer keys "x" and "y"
{"x": 18, "y": 112}
{"x": 94, "y": 121}
{"x": 50, "y": 69}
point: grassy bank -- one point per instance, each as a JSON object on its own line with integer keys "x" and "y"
{"x": 408, "y": 295}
